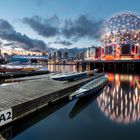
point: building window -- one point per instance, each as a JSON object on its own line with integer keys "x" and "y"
{"x": 125, "y": 49}
{"x": 109, "y": 50}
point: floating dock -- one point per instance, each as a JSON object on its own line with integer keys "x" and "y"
{"x": 18, "y": 100}
{"x": 21, "y": 74}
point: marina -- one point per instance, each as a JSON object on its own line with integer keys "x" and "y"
{"x": 101, "y": 110}
{"x": 26, "y": 97}
{"x": 69, "y": 70}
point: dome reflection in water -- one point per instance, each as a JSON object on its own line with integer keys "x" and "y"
{"x": 120, "y": 100}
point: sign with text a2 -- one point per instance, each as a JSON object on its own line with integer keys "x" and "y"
{"x": 5, "y": 116}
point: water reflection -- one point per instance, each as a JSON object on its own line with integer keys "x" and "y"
{"x": 82, "y": 103}
{"x": 120, "y": 100}
{"x": 10, "y": 131}
{"x": 62, "y": 68}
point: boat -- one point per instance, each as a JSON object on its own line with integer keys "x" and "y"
{"x": 82, "y": 103}
{"x": 5, "y": 69}
{"x": 91, "y": 87}
{"x": 73, "y": 75}
{"x": 16, "y": 67}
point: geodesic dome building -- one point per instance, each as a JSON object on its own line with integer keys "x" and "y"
{"x": 120, "y": 36}
{"x": 121, "y": 27}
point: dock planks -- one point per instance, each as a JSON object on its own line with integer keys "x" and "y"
{"x": 28, "y": 96}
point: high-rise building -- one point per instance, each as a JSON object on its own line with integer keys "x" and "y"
{"x": 90, "y": 53}
{"x": 65, "y": 55}
{"x": 58, "y": 55}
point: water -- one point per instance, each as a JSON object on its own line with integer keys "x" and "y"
{"x": 62, "y": 68}
{"x": 111, "y": 115}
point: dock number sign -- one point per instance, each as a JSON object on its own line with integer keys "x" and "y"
{"x": 5, "y": 116}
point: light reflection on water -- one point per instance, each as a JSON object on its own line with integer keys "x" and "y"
{"x": 62, "y": 68}
{"x": 120, "y": 100}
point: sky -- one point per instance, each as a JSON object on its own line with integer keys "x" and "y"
{"x": 39, "y": 24}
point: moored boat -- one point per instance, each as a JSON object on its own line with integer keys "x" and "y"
{"x": 4, "y": 69}
{"x": 90, "y": 88}
{"x": 18, "y": 68}
{"x": 73, "y": 75}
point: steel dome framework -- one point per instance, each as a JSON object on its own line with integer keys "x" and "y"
{"x": 120, "y": 27}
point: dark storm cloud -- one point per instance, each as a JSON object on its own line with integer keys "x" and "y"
{"x": 9, "y": 44}
{"x": 63, "y": 42}
{"x": 46, "y": 28}
{"x": 83, "y": 26}
{"x": 8, "y": 33}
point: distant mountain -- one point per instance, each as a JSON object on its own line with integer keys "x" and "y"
{"x": 72, "y": 51}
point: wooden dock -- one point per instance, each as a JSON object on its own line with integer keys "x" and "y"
{"x": 22, "y": 74}
{"x": 114, "y": 66}
{"x": 28, "y": 96}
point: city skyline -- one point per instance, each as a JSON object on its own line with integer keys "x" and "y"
{"x": 38, "y": 24}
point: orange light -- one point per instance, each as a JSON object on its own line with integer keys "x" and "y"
{"x": 110, "y": 77}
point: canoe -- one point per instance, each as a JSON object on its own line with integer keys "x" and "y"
{"x": 90, "y": 88}
{"x": 73, "y": 75}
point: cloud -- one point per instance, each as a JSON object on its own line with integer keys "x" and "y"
{"x": 8, "y": 33}
{"x": 83, "y": 26}
{"x": 46, "y": 28}
{"x": 9, "y": 44}
{"x": 63, "y": 42}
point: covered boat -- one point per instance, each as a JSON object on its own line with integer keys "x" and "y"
{"x": 91, "y": 87}
{"x": 18, "y": 67}
{"x": 73, "y": 75}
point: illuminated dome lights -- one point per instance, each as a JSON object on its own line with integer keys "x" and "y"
{"x": 121, "y": 27}
{"x": 120, "y": 106}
